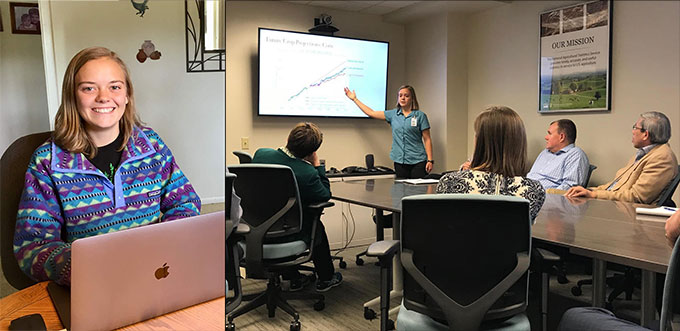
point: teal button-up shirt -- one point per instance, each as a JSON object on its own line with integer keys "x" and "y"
{"x": 407, "y": 136}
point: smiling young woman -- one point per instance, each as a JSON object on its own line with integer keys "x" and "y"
{"x": 101, "y": 171}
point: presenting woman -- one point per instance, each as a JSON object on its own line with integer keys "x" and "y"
{"x": 100, "y": 172}
{"x": 411, "y": 141}
{"x": 499, "y": 164}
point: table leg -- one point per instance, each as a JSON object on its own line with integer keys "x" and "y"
{"x": 599, "y": 282}
{"x": 648, "y": 299}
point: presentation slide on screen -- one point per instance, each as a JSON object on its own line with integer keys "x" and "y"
{"x": 304, "y": 75}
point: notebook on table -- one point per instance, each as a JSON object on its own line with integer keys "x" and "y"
{"x": 128, "y": 276}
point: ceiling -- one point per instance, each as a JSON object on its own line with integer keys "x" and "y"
{"x": 405, "y": 11}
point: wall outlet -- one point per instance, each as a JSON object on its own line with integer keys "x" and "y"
{"x": 245, "y": 144}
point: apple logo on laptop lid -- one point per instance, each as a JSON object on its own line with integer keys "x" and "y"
{"x": 162, "y": 272}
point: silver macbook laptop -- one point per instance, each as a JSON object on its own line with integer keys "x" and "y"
{"x": 132, "y": 275}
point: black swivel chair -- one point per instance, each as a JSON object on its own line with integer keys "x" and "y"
{"x": 232, "y": 236}
{"x": 466, "y": 262}
{"x": 668, "y": 298}
{"x": 547, "y": 262}
{"x": 667, "y": 193}
{"x": 271, "y": 208}
{"x": 382, "y": 221}
{"x": 590, "y": 172}
{"x": 627, "y": 281}
{"x": 13, "y": 165}
{"x": 243, "y": 157}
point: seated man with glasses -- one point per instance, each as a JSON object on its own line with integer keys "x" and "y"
{"x": 648, "y": 172}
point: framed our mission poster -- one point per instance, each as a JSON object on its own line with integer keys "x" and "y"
{"x": 575, "y": 58}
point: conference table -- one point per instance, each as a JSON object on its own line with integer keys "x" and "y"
{"x": 35, "y": 300}
{"x": 606, "y": 231}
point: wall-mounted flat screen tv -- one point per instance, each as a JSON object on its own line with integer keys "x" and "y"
{"x": 303, "y": 74}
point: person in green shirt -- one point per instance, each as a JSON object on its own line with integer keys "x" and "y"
{"x": 300, "y": 155}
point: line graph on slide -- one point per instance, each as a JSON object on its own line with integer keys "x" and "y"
{"x": 305, "y": 75}
{"x": 327, "y": 77}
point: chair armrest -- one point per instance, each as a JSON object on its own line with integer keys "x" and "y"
{"x": 547, "y": 256}
{"x": 383, "y": 248}
{"x": 228, "y": 228}
{"x": 242, "y": 228}
{"x": 321, "y": 205}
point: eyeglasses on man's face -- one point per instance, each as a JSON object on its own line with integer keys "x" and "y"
{"x": 638, "y": 128}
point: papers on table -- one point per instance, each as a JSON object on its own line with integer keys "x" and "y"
{"x": 658, "y": 211}
{"x": 418, "y": 181}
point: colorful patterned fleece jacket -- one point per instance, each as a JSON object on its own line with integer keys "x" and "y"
{"x": 66, "y": 197}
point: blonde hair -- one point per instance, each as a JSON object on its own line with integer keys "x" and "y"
{"x": 501, "y": 142}
{"x": 414, "y": 100}
{"x": 69, "y": 127}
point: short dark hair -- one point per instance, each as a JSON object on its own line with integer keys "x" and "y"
{"x": 304, "y": 139}
{"x": 567, "y": 127}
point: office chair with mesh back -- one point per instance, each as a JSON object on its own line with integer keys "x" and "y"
{"x": 631, "y": 278}
{"x": 465, "y": 270}
{"x": 243, "y": 157}
{"x": 271, "y": 208}
{"x": 13, "y": 165}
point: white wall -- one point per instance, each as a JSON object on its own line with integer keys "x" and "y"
{"x": 426, "y": 65}
{"x": 457, "y": 91}
{"x": 346, "y": 141}
{"x": 186, "y": 109}
{"x": 503, "y": 69}
{"x": 23, "y": 100}
{"x": 436, "y": 60}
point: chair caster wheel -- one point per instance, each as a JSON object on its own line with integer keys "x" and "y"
{"x": 369, "y": 313}
{"x": 230, "y": 327}
{"x": 576, "y": 291}
{"x": 562, "y": 279}
{"x": 319, "y": 305}
{"x": 343, "y": 265}
{"x": 360, "y": 261}
{"x": 390, "y": 325}
{"x": 295, "y": 326}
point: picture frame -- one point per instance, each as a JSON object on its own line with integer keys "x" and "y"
{"x": 574, "y": 70}
{"x": 24, "y": 18}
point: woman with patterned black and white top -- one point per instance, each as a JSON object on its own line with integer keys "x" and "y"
{"x": 499, "y": 164}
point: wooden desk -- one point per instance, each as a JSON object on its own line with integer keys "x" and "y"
{"x": 601, "y": 229}
{"x": 35, "y": 300}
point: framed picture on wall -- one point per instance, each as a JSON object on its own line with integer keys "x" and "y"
{"x": 24, "y": 17}
{"x": 574, "y": 72}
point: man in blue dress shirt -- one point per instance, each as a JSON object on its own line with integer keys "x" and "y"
{"x": 561, "y": 165}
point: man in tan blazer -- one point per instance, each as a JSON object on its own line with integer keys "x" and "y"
{"x": 647, "y": 173}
